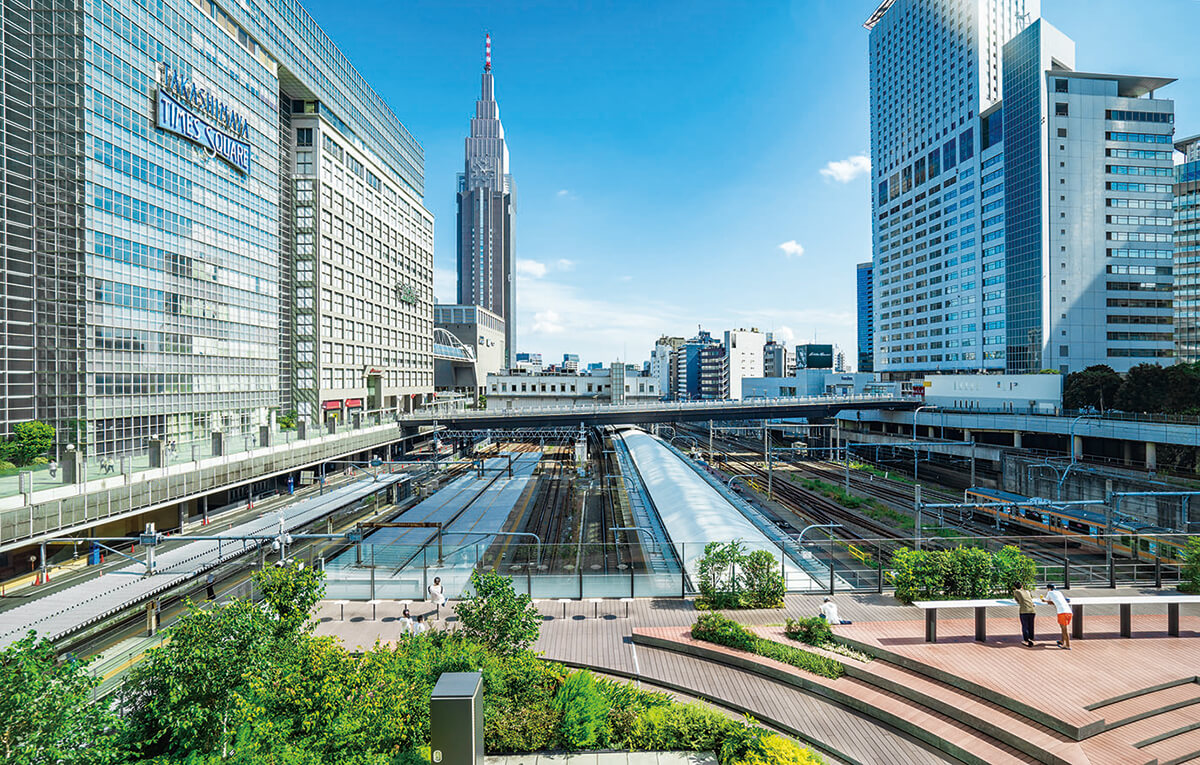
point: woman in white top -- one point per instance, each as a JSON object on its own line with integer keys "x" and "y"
{"x": 1061, "y": 604}
{"x": 437, "y": 594}
{"x": 406, "y": 623}
{"x": 419, "y": 626}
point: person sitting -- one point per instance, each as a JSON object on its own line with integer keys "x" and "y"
{"x": 829, "y": 612}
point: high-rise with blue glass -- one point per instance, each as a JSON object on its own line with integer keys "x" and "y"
{"x": 227, "y": 221}
{"x": 1002, "y": 196}
{"x": 1187, "y": 251}
{"x": 865, "y": 293}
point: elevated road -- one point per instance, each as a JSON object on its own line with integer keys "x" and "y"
{"x": 659, "y": 411}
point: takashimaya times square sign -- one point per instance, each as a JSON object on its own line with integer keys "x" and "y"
{"x": 197, "y": 114}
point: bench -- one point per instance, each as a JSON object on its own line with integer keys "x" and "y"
{"x": 1126, "y": 603}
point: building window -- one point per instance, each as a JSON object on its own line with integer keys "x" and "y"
{"x": 1060, "y": 86}
{"x": 304, "y": 136}
{"x": 1060, "y": 110}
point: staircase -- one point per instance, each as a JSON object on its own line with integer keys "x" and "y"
{"x": 1151, "y": 726}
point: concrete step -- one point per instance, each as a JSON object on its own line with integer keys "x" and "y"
{"x": 1148, "y": 704}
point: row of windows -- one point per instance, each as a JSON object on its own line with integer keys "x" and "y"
{"x": 1155, "y": 353}
{"x": 1139, "y": 253}
{"x": 1138, "y": 137}
{"x": 1154, "y": 188}
{"x": 1140, "y": 270}
{"x": 1132, "y": 116}
{"x": 1137, "y": 154}
{"x": 1164, "y": 172}
{"x": 1140, "y": 204}
{"x": 1139, "y": 220}
{"x": 1136, "y": 236}
{"x": 1142, "y": 337}
{"x": 1140, "y": 286}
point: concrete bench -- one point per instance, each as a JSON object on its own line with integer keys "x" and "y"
{"x": 930, "y": 607}
{"x": 1126, "y": 603}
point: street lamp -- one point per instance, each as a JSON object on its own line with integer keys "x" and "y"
{"x": 916, "y": 453}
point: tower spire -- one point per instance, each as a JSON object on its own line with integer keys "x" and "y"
{"x": 487, "y": 53}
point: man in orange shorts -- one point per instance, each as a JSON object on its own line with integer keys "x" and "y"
{"x": 1061, "y": 605}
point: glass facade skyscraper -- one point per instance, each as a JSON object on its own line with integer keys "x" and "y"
{"x": 1187, "y": 251}
{"x": 171, "y": 248}
{"x": 1001, "y": 186}
{"x": 865, "y": 293}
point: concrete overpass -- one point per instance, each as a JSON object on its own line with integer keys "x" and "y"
{"x": 659, "y": 411}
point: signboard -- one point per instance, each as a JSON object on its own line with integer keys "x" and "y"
{"x": 354, "y": 403}
{"x": 195, "y": 113}
{"x": 332, "y": 405}
{"x": 307, "y": 477}
{"x": 814, "y": 356}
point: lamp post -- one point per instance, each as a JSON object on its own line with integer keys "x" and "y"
{"x": 916, "y": 453}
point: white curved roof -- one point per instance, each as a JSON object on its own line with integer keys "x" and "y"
{"x": 692, "y": 511}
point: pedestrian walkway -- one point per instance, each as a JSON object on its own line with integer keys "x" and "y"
{"x": 66, "y": 611}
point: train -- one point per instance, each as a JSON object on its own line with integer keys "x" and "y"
{"x": 1079, "y": 523}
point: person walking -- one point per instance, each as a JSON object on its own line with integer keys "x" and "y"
{"x": 1026, "y": 612}
{"x": 53, "y": 466}
{"x": 829, "y": 611}
{"x": 1062, "y": 606}
{"x": 437, "y": 595}
{"x": 210, "y": 582}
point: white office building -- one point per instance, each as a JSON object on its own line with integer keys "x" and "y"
{"x": 1012, "y": 196}
{"x": 615, "y": 385}
{"x": 743, "y": 358}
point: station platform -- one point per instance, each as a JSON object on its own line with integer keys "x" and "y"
{"x": 66, "y": 611}
{"x": 694, "y": 508}
{"x": 401, "y": 562}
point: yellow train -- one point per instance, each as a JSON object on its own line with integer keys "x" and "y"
{"x": 1081, "y": 524}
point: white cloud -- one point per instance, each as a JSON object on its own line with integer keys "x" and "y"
{"x": 564, "y": 193}
{"x": 547, "y": 322}
{"x": 846, "y": 170}
{"x": 784, "y": 334}
{"x": 562, "y": 264}
{"x": 792, "y": 248}
{"x": 534, "y": 269}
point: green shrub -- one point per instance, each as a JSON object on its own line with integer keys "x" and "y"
{"x": 679, "y": 727}
{"x": 1010, "y": 568}
{"x": 729, "y": 577}
{"x": 813, "y": 630}
{"x": 719, "y": 582}
{"x": 39, "y": 461}
{"x": 959, "y": 573}
{"x": 496, "y": 616}
{"x": 7, "y": 467}
{"x": 583, "y": 711}
{"x": 1189, "y": 573}
{"x": 762, "y": 580}
{"x": 719, "y": 629}
{"x": 968, "y": 573}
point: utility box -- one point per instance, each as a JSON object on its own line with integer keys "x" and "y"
{"x": 456, "y": 719}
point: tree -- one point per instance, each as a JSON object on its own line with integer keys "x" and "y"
{"x": 183, "y": 697}
{"x": 291, "y": 590}
{"x": 287, "y": 420}
{"x": 1095, "y": 386}
{"x": 762, "y": 580}
{"x": 46, "y": 710}
{"x": 496, "y": 616}
{"x": 719, "y": 582}
{"x": 29, "y": 439}
{"x": 1183, "y": 388}
{"x": 1144, "y": 389}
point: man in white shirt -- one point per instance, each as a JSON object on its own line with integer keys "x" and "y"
{"x": 1061, "y": 605}
{"x": 419, "y": 626}
{"x": 829, "y": 611}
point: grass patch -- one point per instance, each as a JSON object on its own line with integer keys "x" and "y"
{"x": 720, "y": 629}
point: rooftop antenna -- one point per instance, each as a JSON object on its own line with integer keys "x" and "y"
{"x": 487, "y": 53}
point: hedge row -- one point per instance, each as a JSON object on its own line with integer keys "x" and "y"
{"x": 720, "y": 629}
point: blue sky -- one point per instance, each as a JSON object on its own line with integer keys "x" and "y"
{"x": 673, "y": 159}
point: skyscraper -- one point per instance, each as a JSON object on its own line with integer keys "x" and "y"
{"x": 180, "y": 169}
{"x": 486, "y": 204}
{"x": 866, "y": 317}
{"x": 1002, "y": 202}
{"x": 1187, "y": 251}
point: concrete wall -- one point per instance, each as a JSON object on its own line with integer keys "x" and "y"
{"x": 1014, "y": 393}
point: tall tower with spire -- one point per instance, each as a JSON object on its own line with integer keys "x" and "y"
{"x": 486, "y": 207}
